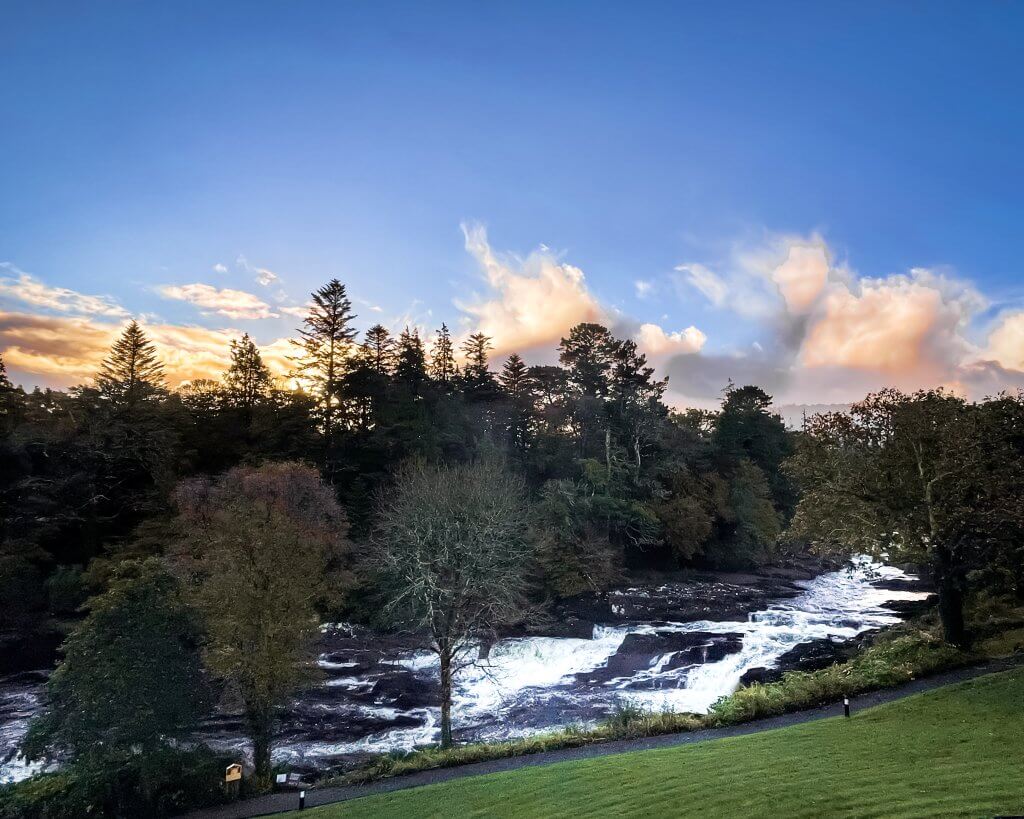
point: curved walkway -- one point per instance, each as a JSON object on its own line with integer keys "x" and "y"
{"x": 281, "y": 802}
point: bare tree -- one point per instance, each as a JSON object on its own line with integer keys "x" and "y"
{"x": 454, "y": 558}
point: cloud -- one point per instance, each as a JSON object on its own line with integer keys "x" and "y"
{"x": 1006, "y": 342}
{"x": 532, "y": 302}
{"x": 298, "y": 312}
{"x": 26, "y": 288}
{"x": 64, "y": 350}
{"x": 705, "y": 282}
{"x": 902, "y": 325}
{"x": 236, "y": 304}
{"x": 654, "y": 341}
{"x": 643, "y": 288}
{"x": 829, "y": 335}
{"x": 220, "y": 268}
{"x": 265, "y": 277}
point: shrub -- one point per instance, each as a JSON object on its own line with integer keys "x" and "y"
{"x": 164, "y": 782}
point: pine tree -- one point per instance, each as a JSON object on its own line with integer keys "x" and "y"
{"x": 515, "y": 377}
{"x": 379, "y": 350}
{"x": 248, "y": 379}
{"x": 5, "y": 382}
{"x": 477, "y": 378}
{"x": 132, "y": 372}
{"x": 442, "y": 357}
{"x": 515, "y": 380}
{"x": 587, "y": 356}
{"x": 10, "y": 399}
{"x": 411, "y": 368}
{"x": 326, "y": 341}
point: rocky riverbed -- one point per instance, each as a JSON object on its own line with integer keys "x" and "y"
{"x": 676, "y": 642}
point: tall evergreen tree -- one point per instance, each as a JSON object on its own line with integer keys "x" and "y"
{"x": 477, "y": 378}
{"x": 442, "y": 357}
{"x": 5, "y": 382}
{"x": 132, "y": 372}
{"x": 587, "y": 357}
{"x": 411, "y": 369}
{"x": 518, "y": 387}
{"x": 326, "y": 340}
{"x": 248, "y": 379}
{"x": 379, "y": 350}
{"x": 10, "y": 399}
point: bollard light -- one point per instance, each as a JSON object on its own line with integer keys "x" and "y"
{"x": 846, "y": 706}
{"x": 302, "y": 800}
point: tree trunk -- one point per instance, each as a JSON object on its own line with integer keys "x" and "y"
{"x": 260, "y": 728}
{"x": 446, "y": 698}
{"x": 951, "y": 599}
{"x": 608, "y": 450}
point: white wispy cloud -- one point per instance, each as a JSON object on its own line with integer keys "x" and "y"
{"x": 236, "y": 304}
{"x": 24, "y": 287}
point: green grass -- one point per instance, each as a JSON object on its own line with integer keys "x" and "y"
{"x": 957, "y": 751}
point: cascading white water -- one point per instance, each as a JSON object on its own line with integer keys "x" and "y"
{"x": 543, "y": 674}
{"x": 527, "y": 685}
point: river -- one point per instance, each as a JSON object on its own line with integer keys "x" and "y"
{"x": 380, "y": 694}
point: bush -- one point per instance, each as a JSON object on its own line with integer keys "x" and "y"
{"x": 65, "y": 590}
{"x": 161, "y": 783}
{"x": 887, "y": 663}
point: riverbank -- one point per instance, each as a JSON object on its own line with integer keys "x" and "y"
{"x": 611, "y": 752}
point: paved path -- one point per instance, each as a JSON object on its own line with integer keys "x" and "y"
{"x": 280, "y": 802}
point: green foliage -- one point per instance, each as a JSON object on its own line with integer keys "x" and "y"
{"x": 889, "y": 663}
{"x": 261, "y": 547}
{"x": 574, "y": 549}
{"x": 66, "y": 590}
{"x": 161, "y": 782}
{"x": 130, "y": 676}
{"x": 924, "y": 477}
{"x": 132, "y": 373}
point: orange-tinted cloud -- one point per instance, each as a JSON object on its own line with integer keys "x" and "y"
{"x": 902, "y": 326}
{"x": 24, "y": 287}
{"x": 65, "y": 350}
{"x": 828, "y": 335}
{"x": 532, "y": 302}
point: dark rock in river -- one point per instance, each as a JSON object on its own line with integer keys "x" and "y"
{"x": 810, "y": 656}
{"x": 912, "y": 608}
{"x": 639, "y": 652}
{"x": 902, "y": 584}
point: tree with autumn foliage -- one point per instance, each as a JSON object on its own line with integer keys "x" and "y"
{"x": 926, "y": 477}
{"x": 262, "y": 549}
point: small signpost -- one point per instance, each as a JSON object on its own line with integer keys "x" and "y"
{"x": 233, "y": 778}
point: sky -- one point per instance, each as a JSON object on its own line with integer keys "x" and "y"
{"x": 821, "y": 198}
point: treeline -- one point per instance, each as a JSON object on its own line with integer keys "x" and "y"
{"x": 614, "y": 478}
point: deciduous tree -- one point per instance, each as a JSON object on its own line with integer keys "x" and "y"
{"x": 261, "y": 547}
{"x": 453, "y": 555}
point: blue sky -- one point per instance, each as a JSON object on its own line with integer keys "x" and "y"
{"x": 146, "y": 143}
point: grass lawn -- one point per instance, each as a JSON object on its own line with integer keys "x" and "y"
{"x": 951, "y": 752}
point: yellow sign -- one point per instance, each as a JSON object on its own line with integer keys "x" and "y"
{"x": 233, "y": 772}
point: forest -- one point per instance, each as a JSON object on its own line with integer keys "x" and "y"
{"x": 406, "y": 483}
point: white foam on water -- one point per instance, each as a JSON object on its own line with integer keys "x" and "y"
{"x": 534, "y": 671}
